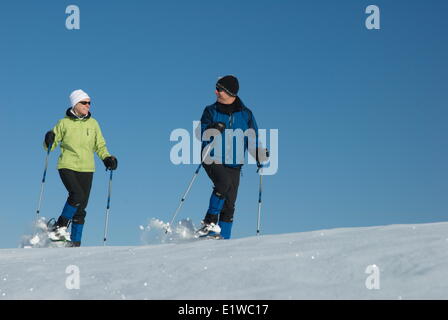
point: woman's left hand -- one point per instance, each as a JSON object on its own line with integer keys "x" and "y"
{"x": 111, "y": 163}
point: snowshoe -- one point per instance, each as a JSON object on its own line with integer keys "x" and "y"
{"x": 56, "y": 232}
{"x": 51, "y": 225}
{"x": 213, "y": 236}
{"x": 46, "y": 234}
{"x": 59, "y": 234}
{"x": 208, "y": 229}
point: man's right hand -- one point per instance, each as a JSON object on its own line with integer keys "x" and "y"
{"x": 262, "y": 155}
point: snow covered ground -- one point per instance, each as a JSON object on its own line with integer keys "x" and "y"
{"x": 395, "y": 262}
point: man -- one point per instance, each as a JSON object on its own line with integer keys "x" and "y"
{"x": 228, "y": 112}
{"x": 80, "y": 137}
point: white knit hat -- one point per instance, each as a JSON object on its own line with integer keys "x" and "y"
{"x": 78, "y": 95}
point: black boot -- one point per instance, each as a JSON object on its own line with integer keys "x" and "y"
{"x": 62, "y": 222}
{"x": 73, "y": 244}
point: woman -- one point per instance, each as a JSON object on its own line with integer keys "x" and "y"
{"x": 80, "y": 137}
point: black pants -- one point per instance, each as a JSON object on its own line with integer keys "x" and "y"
{"x": 226, "y": 181}
{"x": 78, "y": 185}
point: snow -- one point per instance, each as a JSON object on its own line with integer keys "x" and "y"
{"x": 411, "y": 262}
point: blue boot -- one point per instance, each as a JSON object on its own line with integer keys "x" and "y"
{"x": 209, "y": 224}
{"x": 76, "y": 234}
{"x": 214, "y": 208}
{"x": 67, "y": 214}
{"x": 226, "y": 229}
{"x": 216, "y": 203}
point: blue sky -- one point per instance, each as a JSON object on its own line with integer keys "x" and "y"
{"x": 361, "y": 113}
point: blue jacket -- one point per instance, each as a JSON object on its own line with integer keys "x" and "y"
{"x": 234, "y": 116}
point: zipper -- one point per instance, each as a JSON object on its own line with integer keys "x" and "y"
{"x": 230, "y": 125}
{"x": 81, "y": 138}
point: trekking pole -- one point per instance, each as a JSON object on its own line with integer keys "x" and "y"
{"x": 107, "y": 208}
{"x": 259, "y": 199}
{"x": 260, "y": 172}
{"x": 168, "y": 228}
{"x": 42, "y": 185}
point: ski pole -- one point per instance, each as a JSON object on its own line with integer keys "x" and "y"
{"x": 42, "y": 185}
{"x": 167, "y": 229}
{"x": 259, "y": 200}
{"x": 260, "y": 172}
{"x": 107, "y": 208}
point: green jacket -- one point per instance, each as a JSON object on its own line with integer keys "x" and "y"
{"x": 79, "y": 139}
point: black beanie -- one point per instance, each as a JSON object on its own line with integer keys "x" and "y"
{"x": 229, "y": 84}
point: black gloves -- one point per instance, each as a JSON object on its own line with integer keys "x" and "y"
{"x": 111, "y": 163}
{"x": 220, "y": 126}
{"x": 49, "y": 138}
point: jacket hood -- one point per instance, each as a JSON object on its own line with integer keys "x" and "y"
{"x": 69, "y": 114}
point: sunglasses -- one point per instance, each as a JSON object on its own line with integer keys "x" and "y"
{"x": 84, "y": 102}
{"x": 219, "y": 89}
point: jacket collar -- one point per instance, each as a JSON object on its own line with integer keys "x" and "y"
{"x": 236, "y": 106}
{"x": 71, "y": 114}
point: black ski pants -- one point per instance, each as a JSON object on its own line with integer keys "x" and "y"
{"x": 78, "y": 185}
{"x": 226, "y": 181}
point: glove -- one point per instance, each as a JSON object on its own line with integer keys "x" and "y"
{"x": 262, "y": 155}
{"x": 220, "y": 126}
{"x": 111, "y": 163}
{"x": 49, "y": 138}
